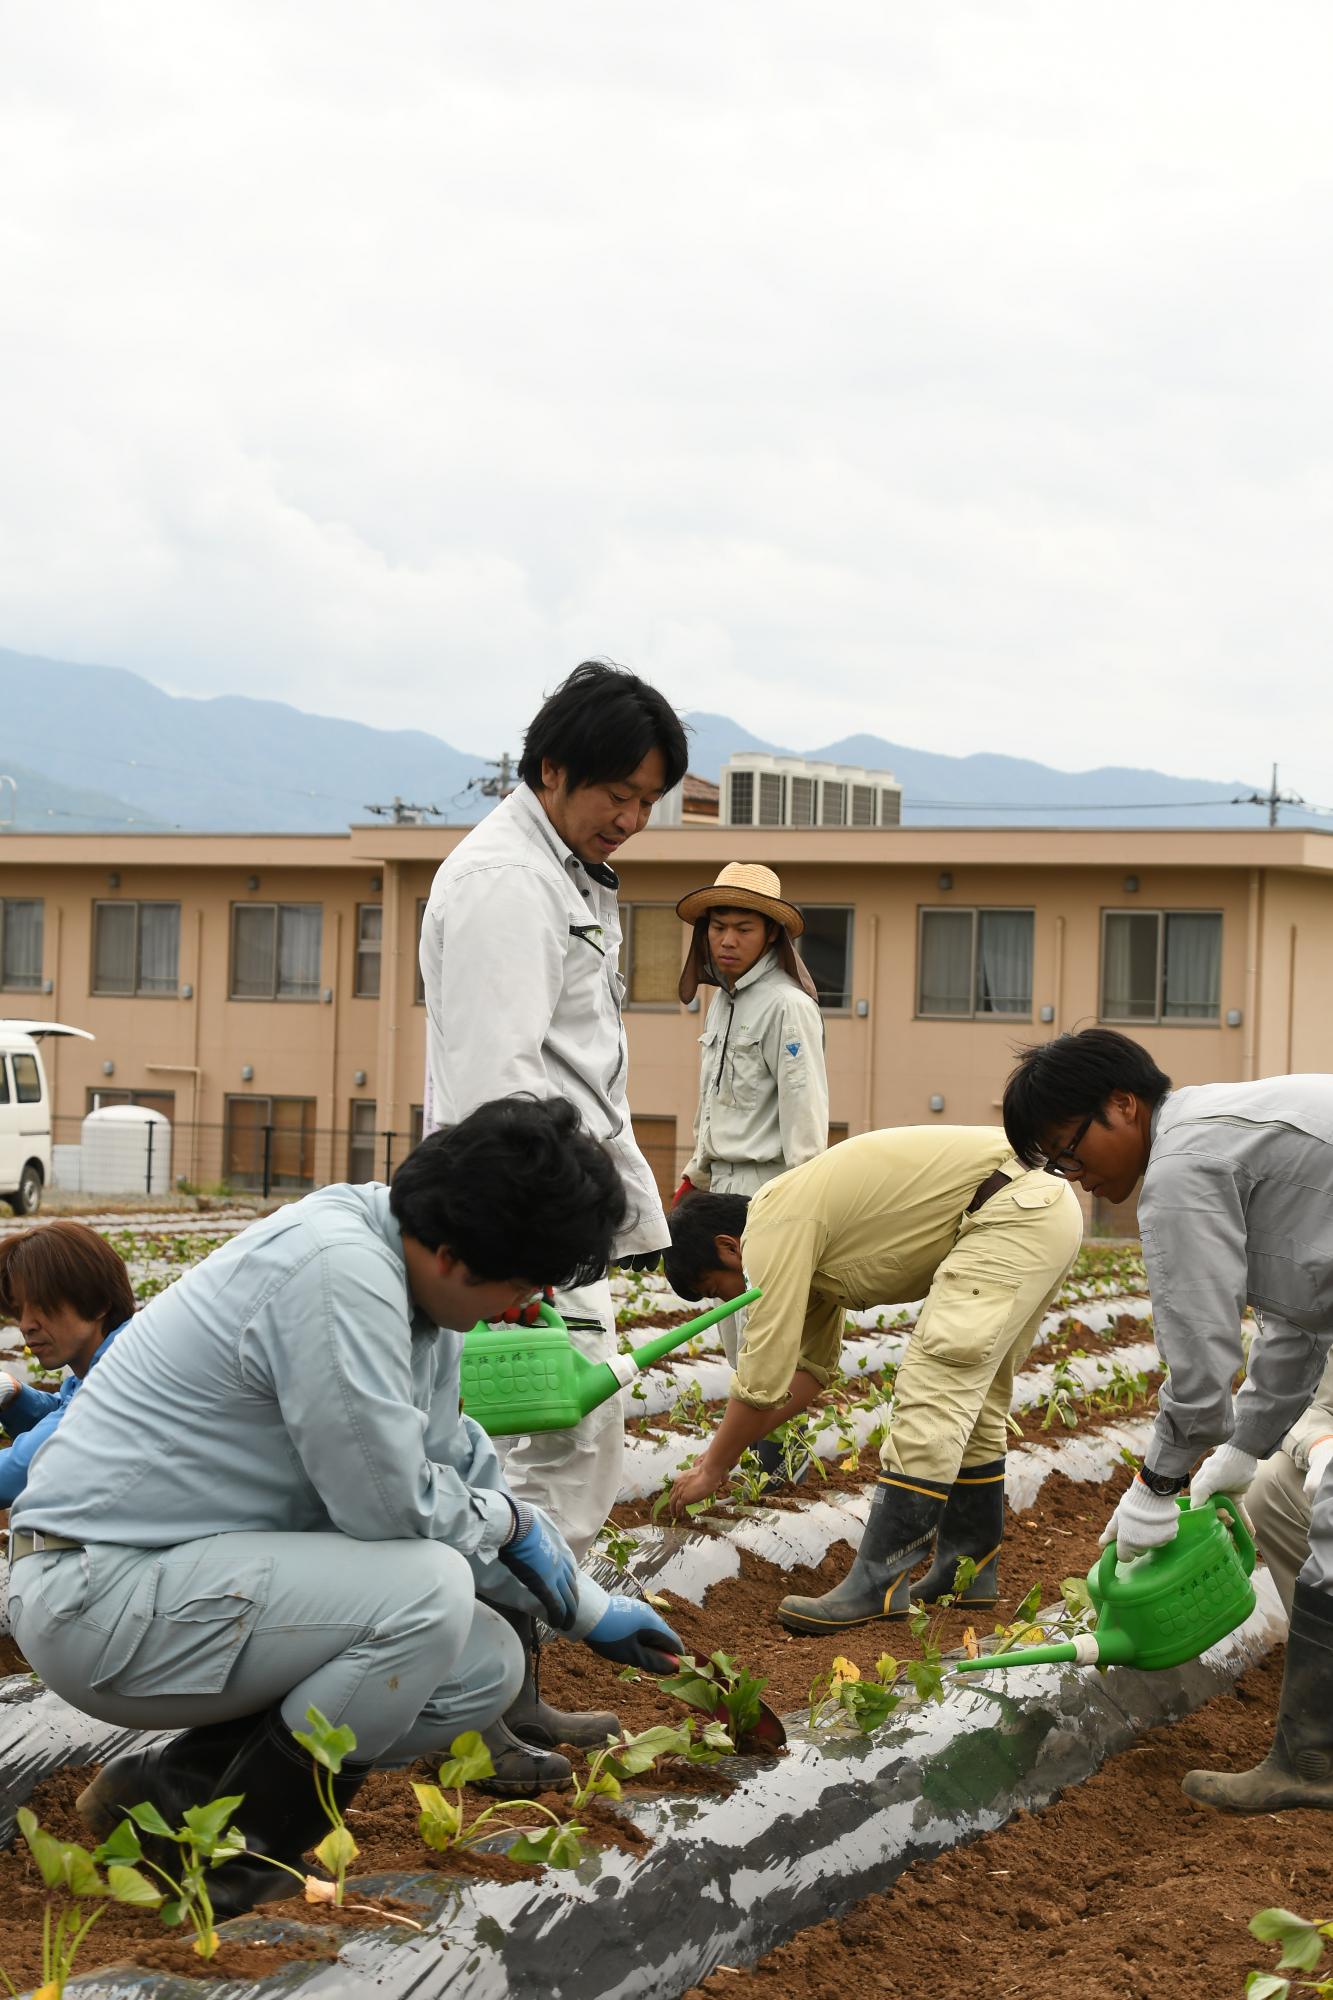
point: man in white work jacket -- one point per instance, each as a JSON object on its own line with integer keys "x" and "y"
{"x": 1236, "y": 1209}
{"x": 763, "y": 1089}
{"x": 520, "y": 948}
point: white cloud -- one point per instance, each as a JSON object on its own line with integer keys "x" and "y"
{"x": 954, "y": 374}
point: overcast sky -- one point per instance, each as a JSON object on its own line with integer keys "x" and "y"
{"x": 960, "y": 373}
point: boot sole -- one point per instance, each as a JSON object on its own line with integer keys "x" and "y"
{"x": 798, "y": 1622}
{"x": 521, "y": 1788}
{"x": 1290, "y": 1798}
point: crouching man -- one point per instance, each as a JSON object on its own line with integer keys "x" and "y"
{"x": 1236, "y": 1207}
{"x": 265, "y": 1497}
{"x": 944, "y": 1211}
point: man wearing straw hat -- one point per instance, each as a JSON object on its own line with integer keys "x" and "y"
{"x": 763, "y": 1090}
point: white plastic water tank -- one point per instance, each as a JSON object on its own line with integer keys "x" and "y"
{"x": 126, "y": 1149}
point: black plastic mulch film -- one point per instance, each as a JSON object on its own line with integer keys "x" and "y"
{"x": 727, "y": 1877}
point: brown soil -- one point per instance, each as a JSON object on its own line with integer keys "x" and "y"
{"x": 11, "y": 1660}
{"x": 1121, "y": 1890}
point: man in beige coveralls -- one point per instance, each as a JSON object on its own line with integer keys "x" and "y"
{"x": 946, "y": 1212}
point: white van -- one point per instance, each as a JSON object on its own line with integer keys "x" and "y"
{"x": 25, "y": 1112}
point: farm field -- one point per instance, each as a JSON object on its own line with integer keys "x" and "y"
{"x": 1118, "y": 1887}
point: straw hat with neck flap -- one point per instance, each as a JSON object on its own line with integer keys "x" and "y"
{"x": 742, "y": 885}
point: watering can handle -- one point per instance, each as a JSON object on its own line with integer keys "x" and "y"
{"x": 1239, "y": 1531}
{"x": 548, "y": 1316}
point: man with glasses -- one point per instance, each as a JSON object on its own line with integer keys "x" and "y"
{"x": 944, "y": 1212}
{"x": 1236, "y": 1209}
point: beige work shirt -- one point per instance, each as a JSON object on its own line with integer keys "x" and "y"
{"x": 866, "y": 1223}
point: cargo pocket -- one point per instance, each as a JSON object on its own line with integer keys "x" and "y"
{"x": 184, "y": 1627}
{"x": 968, "y": 1319}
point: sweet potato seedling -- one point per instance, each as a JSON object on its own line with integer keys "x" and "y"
{"x": 65, "y": 1866}
{"x": 205, "y": 1839}
{"x": 329, "y": 1747}
{"x": 444, "y": 1825}
{"x": 718, "y": 1685}
{"x": 1302, "y": 1940}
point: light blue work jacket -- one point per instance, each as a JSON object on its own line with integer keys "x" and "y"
{"x": 30, "y": 1418}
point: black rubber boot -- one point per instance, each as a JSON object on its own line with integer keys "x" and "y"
{"x": 279, "y": 1814}
{"x": 187, "y": 1771}
{"x": 1298, "y": 1770}
{"x": 972, "y": 1528}
{"x": 533, "y": 1720}
{"x": 773, "y": 1460}
{"x": 522, "y": 1770}
{"x": 898, "y": 1535}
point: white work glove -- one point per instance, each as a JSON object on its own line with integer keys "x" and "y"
{"x": 1226, "y": 1470}
{"x": 1143, "y": 1520}
{"x": 1321, "y": 1451}
{"x": 9, "y": 1388}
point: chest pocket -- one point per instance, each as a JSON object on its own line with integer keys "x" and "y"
{"x": 744, "y": 1072}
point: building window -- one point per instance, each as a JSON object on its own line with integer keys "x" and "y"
{"x": 826, "y": 947}
{"x": 1161, "y": 965}
{"x": 270, "y": 1143}
{"x": 651, "y": 948}
{"x": 837, "y": 1133}
{"x": 419, "y": 993}
{"x": 275, "y": 951}
{"x": 770, "y": 798}
{"x": 21, "y": 944}
{"x": 890, "y": 807}
{"x": 802, "y": 801}
{"x": 863, "y": 805}
{"x": 369, "y": 938}
{"x": 416, "y": 1120}
{"x": 361, "y": 1140}
{"x": 136, "y": 948}
{"x": 740, "y": 805}
{"x": 656, "y": 1140}
{"x": 151, "y": 1100}
{"x": 974, "y": 964}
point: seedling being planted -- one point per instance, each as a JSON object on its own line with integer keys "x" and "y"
{"x": 1302, "y": 1940}
{"x": 444, "y": 1824}
{"x": 730, "y": 1695}
{"x": 329, "y": 1748}
{"x": 205, "y": 1838}
{"x": 844, "y": 1691}
{"x": 64, "y": 1866}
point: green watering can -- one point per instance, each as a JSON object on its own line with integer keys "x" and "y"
{"x": 530, "y": 1378}
{"x": 1164, "y": 1609}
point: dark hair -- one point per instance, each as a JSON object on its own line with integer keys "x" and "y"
{"x": 599, "y": 725}
{"x": 517, "y": 1189}
{"x": 65, "y": 1264}
{"x": 695, "y": 1225}
{"x": 1072, "y": 1077}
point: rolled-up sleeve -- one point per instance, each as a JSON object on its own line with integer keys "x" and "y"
{"x": 334, "y": 1342}
{"x": 786, "y": 1329}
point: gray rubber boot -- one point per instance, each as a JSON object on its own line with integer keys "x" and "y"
{"x": 902, "y": 1525}
{"x": 1298, "y": 1770}
{"x": 972, "y": 1529}
{"x": 521, "y": 1769}
{"x": 533, "y": 1720}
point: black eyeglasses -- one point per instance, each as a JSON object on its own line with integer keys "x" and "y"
{"x": 1066, "y": 1163}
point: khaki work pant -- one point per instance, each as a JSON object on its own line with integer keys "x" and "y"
{"x": 981, "y": 1316}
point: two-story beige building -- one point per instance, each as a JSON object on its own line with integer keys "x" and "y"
{"x": 262, "y": 990}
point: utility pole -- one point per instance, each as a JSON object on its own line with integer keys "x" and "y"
{"x": 403, "y": 814}
{"x": 502, "y": 784}
{"x": 1272, "y": 798}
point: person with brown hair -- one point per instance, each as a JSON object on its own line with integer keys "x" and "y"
{"x": 69, "y": 1294}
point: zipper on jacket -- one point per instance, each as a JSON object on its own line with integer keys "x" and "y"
{"x": 717, "y": 1080}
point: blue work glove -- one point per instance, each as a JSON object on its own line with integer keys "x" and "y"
{"x": 538, "y": 1555}
{"x": 631, "y": 1633}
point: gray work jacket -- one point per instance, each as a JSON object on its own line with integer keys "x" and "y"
{"x": 286, "y": 1384}
{"x": 1237, "y": 1208}
{"x": 520, "y": 950}
{"x": 763, "y": 1091}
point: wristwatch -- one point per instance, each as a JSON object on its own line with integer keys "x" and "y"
{"x": 1164, "y": 1482}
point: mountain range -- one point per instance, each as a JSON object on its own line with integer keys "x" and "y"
{"x": 95, "y": 748}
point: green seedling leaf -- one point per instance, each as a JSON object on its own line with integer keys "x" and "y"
{"x": 636, "y": 1754}
{"x": 81, "y": 1877}
{"x": 557, "y": 1847}
{"x": 927, "y": 1677}
{"x": 326, "y": 1742}
{"x": 127, "y": 1885}
{"x": 964, "y": 1573}
{"x": 1077, "y": 1597}
{"x": 120, "y": 1845}
{"x": 337, "y": 1851}
{"x": 468, "y": 1760}
{"x": 46, "y": 1849}
{"x": 210, "y": 1830}
{"x": 172, "y": 1911}
{"x": 441, "y": 1821}
{"x": 1267, "y": 1986}
{"x": 150, "y": 1819}
{"x": 1302, "y": 1942}
{"x": 1030, "y": 1606}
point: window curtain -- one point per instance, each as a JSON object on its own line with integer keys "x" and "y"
{"x": 1004, "y": 962}
{"x": 252, "y": 951}
{"x": 113, "y": 948}
{"x": 946, "y": 962}
{"x": 299, "y": 936}
{"x": 1129, "y": 966}
{"x": 1193, "y": 966}
{"x": 657, "y": 941}
{"x": 22, "y": 944}
{"x": 159, "y": 947}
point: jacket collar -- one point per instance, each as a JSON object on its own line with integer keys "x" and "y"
{"x": 531, "y": 813}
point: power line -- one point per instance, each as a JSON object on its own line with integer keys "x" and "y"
{"x": 1273, "y": 798}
